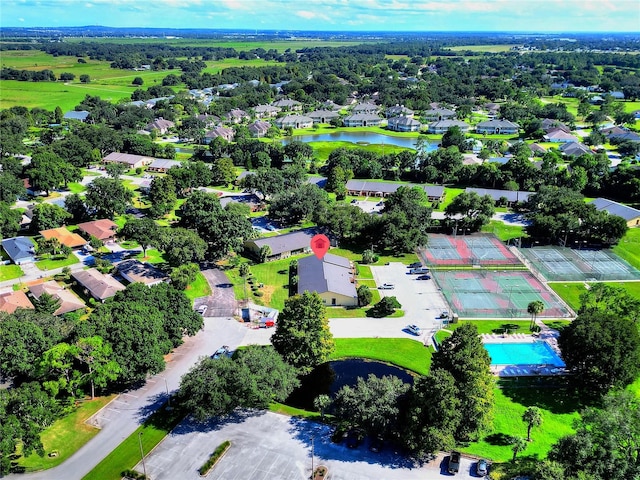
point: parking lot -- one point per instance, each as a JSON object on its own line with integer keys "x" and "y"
{"x": 269, "y": 446}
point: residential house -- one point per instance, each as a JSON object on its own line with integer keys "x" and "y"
{"x": 512, "y": 196}
{"x": 237, "y": 116}
{"x": 557, "y": 135}
{"x": 69, "y": 302}
{"x": 223, "y": 132}
{"x": 617, "y": 95}
{"x": 367, "y": 188}
{"x": 620, "y": 134}
{"x": 537, "y": 149}
{"x": 11, "y": 301}
{"x": 323, "y": 116}
{"x": 128, "y": 159}
{"x": 79, "y": 116}
{"x": 398, "y": 110}
{"x": 283, "y": 246}
{"x": 287, "y": 105}
{"x": 442, "y": 126}
{"x": 266, "y": 111}
{"x": 365, "y": 108}
{"x": 630, "y": 214}
{"x": 549, "y": 124}
{"x": 64, "y": 236}
{"x": 259, "y": 128}
{"x": 160, "y": 125}
{"x": 209, "y": 121}
{"x": 134, "y": 271}
{"x": 404, "y": 124}
{"x": 332, "y": 277}
{"x": 162, "y": 165}
{"x": 493, "y": 109}
{"x": 294, "y": 121}
{"x": 437, "y": 114}
{"x": 20, "y": 250}
{"x": 497, "y": 127}
{"x": 331, "y": 105}
{"x": 96, "y": 284}
{"x": 362, "y": 120}
{"x": 574, "y": 149}
{"x": 103, "y": 229}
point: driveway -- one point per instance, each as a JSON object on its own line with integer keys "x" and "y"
{"x": 221, "y": 302}
{"x": 269, "y": 446}
{"x": 421, "y": 301}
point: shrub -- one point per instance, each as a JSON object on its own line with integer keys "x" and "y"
{"x": 215, "y": 456}
{"x": 133, "y": 475}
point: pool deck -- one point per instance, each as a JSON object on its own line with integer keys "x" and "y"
{"x": 534, "y": 370}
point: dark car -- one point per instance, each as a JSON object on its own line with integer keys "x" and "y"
{"x": 415, "y": 265}
{"x": 424, "y": 277}
{"x": 376, "y": 444}
{"x": 354, "y": 438}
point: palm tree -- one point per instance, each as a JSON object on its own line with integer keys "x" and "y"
{"x": 533, "y": 418}
{"x": 321, "y": 402}
{"x": 518, "y": 444}
{"x": 534, "y": 308}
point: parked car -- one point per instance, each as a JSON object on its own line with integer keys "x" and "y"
{"x": 414, "y": 265}
{"x": 424, "y": 277}
{"x": 414, "y": 329}
{"x": 222, "y": 351}
{"x": 354, "y": 201}
{"x": 482, "y": 468}
{"x": 387, "y": 286}
{"x": 376, "y": 444}
{"x": 418, "y": 271}
{"x": 444, "y": 314}
{"x": 454, "y": 463}
{"x": 202, "y": 309}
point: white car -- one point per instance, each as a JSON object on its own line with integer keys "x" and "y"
{"x": 202, "y": 309}
{"x": 387, "y": 286}
{"x": 414, "y": 329}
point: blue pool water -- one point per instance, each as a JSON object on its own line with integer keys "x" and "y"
{"x": 536, "y": 353}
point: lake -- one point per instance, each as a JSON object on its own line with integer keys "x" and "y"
{"x": 361, "y": 138}
{"x": 330, "y": 377}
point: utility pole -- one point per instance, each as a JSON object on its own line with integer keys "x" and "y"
{"x": 144, "y": 468}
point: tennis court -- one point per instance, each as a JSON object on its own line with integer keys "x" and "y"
{"x": 476, "y": 249}
{"x": 567, "y": 264}
{"x": 497, "y": 294}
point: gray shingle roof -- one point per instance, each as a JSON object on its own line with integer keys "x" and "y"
{"x": 18, "y": 248}
{"x": 615, "y": 208}
{"x": 510, "y": 195}
{"x": 288, "y": 242}
{"x": 331, "y": 274}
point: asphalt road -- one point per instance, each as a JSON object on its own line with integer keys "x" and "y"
{"x": 267, "y": 446}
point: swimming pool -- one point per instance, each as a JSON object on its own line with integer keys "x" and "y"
{"x": 536, "y": 353}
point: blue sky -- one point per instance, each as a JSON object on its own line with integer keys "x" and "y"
{"x": 380, "y": 15}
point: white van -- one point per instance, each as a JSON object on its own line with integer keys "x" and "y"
{"x": 419, "y": 271}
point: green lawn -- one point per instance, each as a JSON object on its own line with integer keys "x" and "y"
{"x": 9, "y": 272}
{"x": 629, "y": 247}
{"x": 495, "y": 326}
{"x": 503, "y": 231}
{"x": 356, "y": 256}
{"x": 50, "y": 264}
{"x": 341, "y": 312}
{"x": 127, "y": 454}
{"x": 74, "y": 187}
{"x": 558, "y": 413}
{"x": 65, "y": 436}
{"x": 153, "y": 256}
{"x": 199, "y": 288}
{"x": 570, "y": 291}
{"x": 403, "y": 352}
{"x": 449, "y": 194}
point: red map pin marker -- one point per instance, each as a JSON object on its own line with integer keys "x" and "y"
{"x": 320, "y": 244}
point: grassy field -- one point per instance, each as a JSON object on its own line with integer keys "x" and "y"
{"x": 108, "y": 83}
{"x": 65, "y": 436}
{"x": 403, "y": 352}
{"x": 570, "y": 291}
{"x": 199, "y": 288}
{"x": 9, "y": 272}
{"x": 629, "y": 247}
{"x": 495, "y": 326}
{"x": 503, "y": 231}
{"x": 127, "y": 454}
{"x": 356, "y": 256}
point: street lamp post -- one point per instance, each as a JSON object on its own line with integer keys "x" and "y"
{"x": 312, "y": 455}
{"x": 166, "y": 385}
{"x": 144, "y": 468}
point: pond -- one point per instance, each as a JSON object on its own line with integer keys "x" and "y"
{"x": 330, "y": 377}
{"x": 361, "y": 138}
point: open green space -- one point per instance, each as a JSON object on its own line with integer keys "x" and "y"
{"x": 629, "y": 247}
{"x": 127, "y": 454}
{"x": 356, "y": 256}
{"x": 65, "y": 436}
{"x": 483, "y": 48}
{"x": 503, "y": 231}
{"x": 495, "y": 326}
{"x": 9, "y": 272}
{"x": 342, "y": 312}
{"x": 153, "y": 256}
{"x": 53, "y": 263}
{"x": 199, "y": 288}
{"x": 570, "y": 291}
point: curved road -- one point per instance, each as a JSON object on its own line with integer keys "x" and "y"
{"x": 123, "y": 415}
